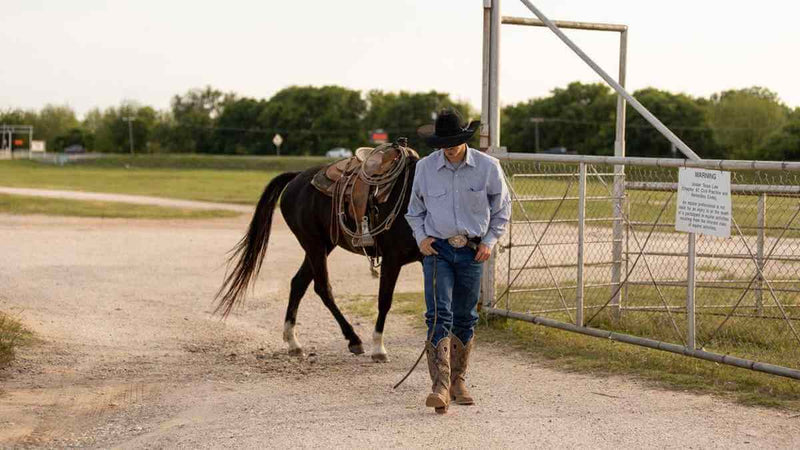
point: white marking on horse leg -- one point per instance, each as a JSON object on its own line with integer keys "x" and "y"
{"x": 290, "y": 338}
{"x": 378, "y": 350}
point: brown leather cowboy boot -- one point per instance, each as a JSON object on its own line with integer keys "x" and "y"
{"x": 439, "y": 368}
{"x": 459, "y": 360}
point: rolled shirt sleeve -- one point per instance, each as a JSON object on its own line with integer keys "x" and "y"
{"x": 415, "y": 216}
{"x": 499, "y": 204}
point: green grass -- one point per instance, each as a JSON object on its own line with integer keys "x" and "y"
{"x": 227, "y": 179}
{"x": 572, "y": 352}
{"x": 205, "y": 162}
{"x": 24, "y": 205}
{"x": 226, "y": 186}
{"x": 12, "y": 335}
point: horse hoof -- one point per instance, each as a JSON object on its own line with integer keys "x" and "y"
{"x": 380, "y": 357}
{"x": 356, "y": 349}
{"x": 296, "y": 352}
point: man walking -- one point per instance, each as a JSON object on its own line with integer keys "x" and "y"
{"x": 458, "y": 210}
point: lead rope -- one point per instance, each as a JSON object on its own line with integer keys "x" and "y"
{"x": 433, "y": 328}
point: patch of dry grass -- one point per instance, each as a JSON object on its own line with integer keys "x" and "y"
{"x": 12, "y": 335}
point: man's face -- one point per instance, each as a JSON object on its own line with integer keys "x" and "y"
{"x": 454, "y": 152}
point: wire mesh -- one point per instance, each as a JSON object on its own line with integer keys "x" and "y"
{"x": 633, "y": 266}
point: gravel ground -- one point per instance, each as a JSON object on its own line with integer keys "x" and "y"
{"x": 131, "y": 357}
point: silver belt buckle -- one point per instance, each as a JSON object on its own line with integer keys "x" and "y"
{"x": 457, "y": 241}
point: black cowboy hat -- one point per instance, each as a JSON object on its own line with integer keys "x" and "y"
{"x": 448, "y": 131}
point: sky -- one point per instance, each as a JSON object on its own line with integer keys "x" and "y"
{"x": 88, "y": 53}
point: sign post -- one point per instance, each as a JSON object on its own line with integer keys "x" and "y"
{"x": 277, "y": 140}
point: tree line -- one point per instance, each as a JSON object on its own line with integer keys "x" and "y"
{"x": 749, "y": 123}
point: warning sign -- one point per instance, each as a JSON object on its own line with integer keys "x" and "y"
{"x": 704, "y": 202}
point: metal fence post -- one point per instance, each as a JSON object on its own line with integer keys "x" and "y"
{"x": 762, "y": 223}
{"x": 509, "y": 249}
{"x": 491, "y": 111}
{"x": 581, "y": 243}
{"x": 690, "y": 287}
{"x": 619, "y": 183}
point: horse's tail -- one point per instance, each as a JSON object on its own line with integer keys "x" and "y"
{"x": 249, "y": 252}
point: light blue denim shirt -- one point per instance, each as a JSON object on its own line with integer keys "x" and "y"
{"x": 471, "y": 199}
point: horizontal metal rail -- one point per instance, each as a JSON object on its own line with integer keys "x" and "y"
{"x": 571, "y": 308}
{"x": 556, "y": 175}
{"x": 596, "y": 219}
{"x": 713, "y": 164}
{"x": 566, "y": 266}
{"x": 711, "y": 285}
{"x": 699, "y": 312}
{"x": 682, "y": 307}
{"x": 738, "y": 188}
{"x": 650, "y": 343}
{"x": 710, "y": 282}
{"x": 568, "y": 24}
{"x": 548, "y": 289}
{"x": 716, "y": 256}
{"x": 533, "y": 198}
{"x": 743, "y": 227}
{"x": 551, "y": 244}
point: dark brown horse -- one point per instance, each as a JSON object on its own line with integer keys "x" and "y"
{"x": 307, "y": 212}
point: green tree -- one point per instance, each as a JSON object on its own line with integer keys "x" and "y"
{"x": 683, "y": 114}
{"x": 94, "y": 124}
{"x": 580, "y": 118}
{"x": 239, "y": 129}
{"x": 400, "y": 114}
{"x": 745, "y": 119}
{"x": 313, "y": 120}
{"x": 785, "y": 145}
{"x": 110, "y": 132}
{"x": 162, "y": 136}
{"x": 195, "y": 114}
{"x": 54, "y": 121}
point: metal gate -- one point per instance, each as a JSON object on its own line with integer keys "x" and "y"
{"x": 592, "y": 246}
{"x": 731, "y": 300}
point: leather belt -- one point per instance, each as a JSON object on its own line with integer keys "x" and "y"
{"x": 460, "y": 241}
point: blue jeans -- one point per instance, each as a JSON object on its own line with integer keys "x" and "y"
{"x": 458, "y": 285}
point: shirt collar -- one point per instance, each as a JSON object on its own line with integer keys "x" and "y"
{"x": 469, "y": 159}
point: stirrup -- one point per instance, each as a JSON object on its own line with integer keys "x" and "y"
{"x": 364, "y": 238}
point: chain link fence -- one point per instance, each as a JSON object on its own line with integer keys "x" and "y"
{"x": 592, "y": 248}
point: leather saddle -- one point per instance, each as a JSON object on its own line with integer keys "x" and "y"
{"x": 341, "y": 181}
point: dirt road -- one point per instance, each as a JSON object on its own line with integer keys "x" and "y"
{"x": 132, "y": 358}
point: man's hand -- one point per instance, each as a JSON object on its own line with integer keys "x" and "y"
{"x": 483, "y": 253}
{"x": 426, "y": 246}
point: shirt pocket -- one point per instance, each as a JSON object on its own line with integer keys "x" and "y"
{"x": 478, "y": 200}
{"x": 436, "y": 198}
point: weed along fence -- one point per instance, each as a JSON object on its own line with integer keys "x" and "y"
{"x": 593, "y": 248}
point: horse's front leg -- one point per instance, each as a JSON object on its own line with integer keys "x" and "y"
{"x": 390, "y": 270}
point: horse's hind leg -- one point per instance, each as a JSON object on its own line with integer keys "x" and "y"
{"x": 322, "y": 286}
{"x": 299, "y": 286}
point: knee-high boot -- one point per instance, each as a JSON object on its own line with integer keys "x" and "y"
{"x": 439, "y": 368}
{"x": 459, "y": 360}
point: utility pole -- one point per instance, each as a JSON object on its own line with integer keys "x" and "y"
{"x": 130, "y": 120}
{"x": 536, "y": 121}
